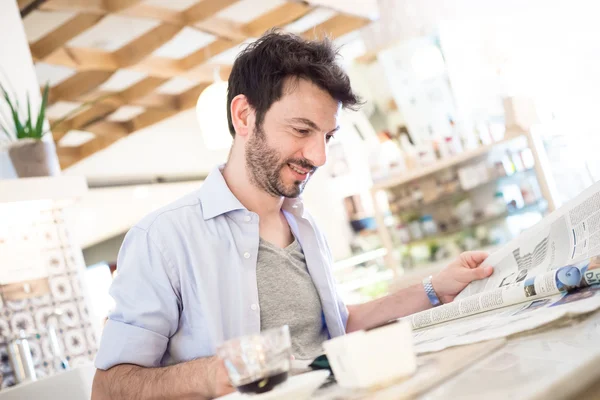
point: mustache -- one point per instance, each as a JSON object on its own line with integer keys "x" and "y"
{"x": 304, "y": 163}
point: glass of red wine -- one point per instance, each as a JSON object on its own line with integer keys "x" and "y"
{"x": 258, "y": 363}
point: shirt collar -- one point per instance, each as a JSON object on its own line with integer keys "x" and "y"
{"x": 217, "y": 198}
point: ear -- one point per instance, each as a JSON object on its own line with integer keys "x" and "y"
{"x": 241, "y": 115}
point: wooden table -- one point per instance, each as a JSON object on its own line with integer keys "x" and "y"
{"x": 558, "y": 362}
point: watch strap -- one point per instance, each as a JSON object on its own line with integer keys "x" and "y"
{"x": 431, "y": 294}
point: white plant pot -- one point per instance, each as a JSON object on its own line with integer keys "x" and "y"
{"x": 32, "y": 157}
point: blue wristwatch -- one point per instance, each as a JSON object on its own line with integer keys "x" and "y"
{"x": 431, "y": 294}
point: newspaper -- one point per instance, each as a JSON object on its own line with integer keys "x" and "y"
{"x": 508, "y": 321}
{"x": 567, "y": 236}
{"x": 551, "y": 283}
{"x": 535, "y": 270}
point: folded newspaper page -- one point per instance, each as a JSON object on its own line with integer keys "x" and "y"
{"x": 548, "y": 284}
{"x": 511, "y": 320}
{"x": 527, "y": 267}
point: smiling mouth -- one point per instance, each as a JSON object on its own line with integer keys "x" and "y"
{"x": 299, "y": 170}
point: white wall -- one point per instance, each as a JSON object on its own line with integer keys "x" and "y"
{"x": 106, "y": 251}
{"x": 16, "y": 65}
{"x": 104, "y": 213}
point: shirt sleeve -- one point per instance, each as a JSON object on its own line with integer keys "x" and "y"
{"x": 344, "y": 314}
{"x": 147, "y": 305}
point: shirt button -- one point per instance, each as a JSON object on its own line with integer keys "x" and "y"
{"x": 246, "y": 255}
{"x": 254, "y": 307}
{"x": 247, "y": 218}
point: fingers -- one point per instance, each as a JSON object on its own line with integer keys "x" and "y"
{"x": 481, "y": 272}
{"x": 472, "y": 259}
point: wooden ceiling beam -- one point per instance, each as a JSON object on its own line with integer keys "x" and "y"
{"x": 78, "y": 84}
{"x": 140, "y": 48}
{"x": 61, "y": 35}
{"x": 151, "y": 100}
{"x": 114, "y": 6}
{"x": 205, "y": 9}
{"x": 95, "y": 6}
{"x": 137, "y": 55}
{"x": 277, "y": 18}
{"x": 96, "y": 112}
{"x": 160, "y": 67}
{"x": 204, "y": 73}
{"x": 83, "y": 59}
{"x": 109, "y": 129}
{"x": 189, "y": 98}
{"x": 147, "y": 118}
{"x": 108, "y": 132}
{"x": 336, "y": 26}
{"x": 141, "y": 88}
{"x": 200, "y": 56}
{"x": 157, "y": 100}
{"x": 106, "y": 106}
{"x": 162, "y": 14}
{"x": 280, "y": 16}
{"x": 223, "y": 28}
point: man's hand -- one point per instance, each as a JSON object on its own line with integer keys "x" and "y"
{"x": 450, "y": 281}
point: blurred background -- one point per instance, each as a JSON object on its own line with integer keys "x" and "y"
{"x": 480, "y": 118}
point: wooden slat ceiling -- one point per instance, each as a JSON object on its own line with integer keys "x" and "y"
{"x": 166, "y": 85}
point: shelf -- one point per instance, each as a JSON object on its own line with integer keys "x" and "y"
{"x": 42, "y": 188}
{"x": 528, "y": 208}
{"x": 359, "y": 259}
{"x": 404, "y": 178}
{"x": 372, "y": 279}
{"x": 451, "y": 195}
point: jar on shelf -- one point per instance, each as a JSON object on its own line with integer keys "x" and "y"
{"x": 402, "y": 233}
{"x": 428, "y": 225}
{"x": 415, "y": 229}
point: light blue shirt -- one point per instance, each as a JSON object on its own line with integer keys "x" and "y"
{"x": 186, "y": 279}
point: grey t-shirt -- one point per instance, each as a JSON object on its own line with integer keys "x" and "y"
{"x": 288, "y": 296}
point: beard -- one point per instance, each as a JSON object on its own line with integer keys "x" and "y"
{"x": 265, "y": 167}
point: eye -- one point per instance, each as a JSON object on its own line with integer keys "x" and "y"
{"x": 329, "y": 137}
{"x": 302, "y": 131}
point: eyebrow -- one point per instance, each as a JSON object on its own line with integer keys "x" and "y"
{"x": 311, "y": 124}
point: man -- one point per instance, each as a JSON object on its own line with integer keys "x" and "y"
{"x": 241, "y": 254}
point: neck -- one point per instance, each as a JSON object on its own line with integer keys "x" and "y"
{"x": 251, "y": 197}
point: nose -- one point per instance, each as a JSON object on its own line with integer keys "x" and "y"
{"x": 316, "y": 151}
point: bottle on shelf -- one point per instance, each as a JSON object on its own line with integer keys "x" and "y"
{"x": 386, "y": 158}
{"x": 509, "y": 166}
{"x": 428, "y": 225}
{"x": 426, "y": 154}
{"x": 410, "y": 152}
{"x": 517, "y": 161}
{"x": 414, "y": 227}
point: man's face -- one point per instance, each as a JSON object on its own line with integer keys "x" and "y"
{"x": 286, "y": 150}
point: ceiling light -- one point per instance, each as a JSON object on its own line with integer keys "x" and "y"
{"x": 211, "y": 112}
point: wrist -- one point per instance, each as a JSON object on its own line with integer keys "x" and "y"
{"x": 439, "y": 287}
{"x": 205, "y": 387}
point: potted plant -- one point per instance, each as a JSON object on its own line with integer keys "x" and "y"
{"x": 29, "y": 153}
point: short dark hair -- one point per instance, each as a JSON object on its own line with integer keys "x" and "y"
{"x": 260, "y": 70}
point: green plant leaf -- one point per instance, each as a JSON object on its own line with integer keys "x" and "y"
{"x": 4, "y": 129}
{"x": 4, "y": 124}
{"x": 39, "y": 125}
{"x": 28, "y": 122}
{"x": 20, "y": 130}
